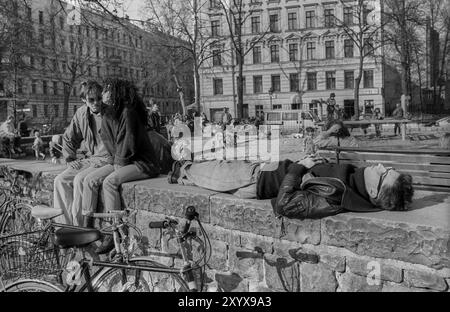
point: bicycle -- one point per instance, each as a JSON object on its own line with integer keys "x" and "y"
{"x": 18, "y": 199}
{"x": 29, "y": 257}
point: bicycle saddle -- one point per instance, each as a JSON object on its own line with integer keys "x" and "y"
{"x": 45, "y": 212}
{"x": 68, "y": 238}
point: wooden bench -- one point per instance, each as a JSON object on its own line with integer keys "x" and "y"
{"x": 430, "y": 169}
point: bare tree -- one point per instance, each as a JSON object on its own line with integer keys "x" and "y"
{"x": 17, "y": 45}
{"x": 237, "y": 15}
{"x": 181, "y": 19}
{"x": 363, "y": 28}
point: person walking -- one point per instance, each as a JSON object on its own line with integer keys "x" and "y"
{"x": 398, "y": 114}
{"x": 155, "y": 118}
{"x": 377, "y": 116}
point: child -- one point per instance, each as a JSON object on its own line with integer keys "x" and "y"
{"x": 308, "y": 143}
{"x": 38, "y": 145}
{"x": 56, "y": 148}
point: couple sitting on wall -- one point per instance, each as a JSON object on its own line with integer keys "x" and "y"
{"x": 113, "y": 127}
{"x": 310, "y": 188}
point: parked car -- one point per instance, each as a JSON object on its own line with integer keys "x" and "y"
{"x": 444, "y": 122}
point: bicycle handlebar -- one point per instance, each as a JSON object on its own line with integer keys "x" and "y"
{"x": 158, "y": 224}
{"x": 111, "y": 214}
{"x": 190, "y": 214}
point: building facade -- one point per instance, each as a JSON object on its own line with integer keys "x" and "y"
{"x": 296, "y": 57}
{"x": 72, "y": 45}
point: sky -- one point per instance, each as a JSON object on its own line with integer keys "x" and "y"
{"x": 133, "y": 8}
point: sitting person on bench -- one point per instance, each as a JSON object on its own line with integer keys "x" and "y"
{"x": 336, "y": 135}
{"x": 308, "y": 189}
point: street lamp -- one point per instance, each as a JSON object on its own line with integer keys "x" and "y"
{"x": 270, "y": 95}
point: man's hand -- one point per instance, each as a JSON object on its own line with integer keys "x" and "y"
{"x": 311, "y": 161}
{"x": 76, "y": 164}
{"x": 117, "y": 167}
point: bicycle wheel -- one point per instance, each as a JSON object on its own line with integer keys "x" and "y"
{"x": 17, "y": 218}
{"x": 123, "y": 280}
{"x": 32, "y": 286}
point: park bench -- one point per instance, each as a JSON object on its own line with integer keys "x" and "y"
{"x": 430, "y": 169}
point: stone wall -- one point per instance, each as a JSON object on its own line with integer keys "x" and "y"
{"x": 408, "y": 251}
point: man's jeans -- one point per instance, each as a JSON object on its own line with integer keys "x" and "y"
{"x": 224, "y": 176}
{"x": 68, "y": 190}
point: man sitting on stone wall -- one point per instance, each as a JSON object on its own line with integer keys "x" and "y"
{"x": 309, "y": 189}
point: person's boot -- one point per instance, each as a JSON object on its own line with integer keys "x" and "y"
{"x": 106, "y": 246}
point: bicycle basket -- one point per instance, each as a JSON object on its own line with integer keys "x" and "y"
{"x": 30, "y": 255}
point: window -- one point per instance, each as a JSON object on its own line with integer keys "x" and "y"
{"x": 276, "y": 83}
{"x": 75, "y": 109}
{"x": 329, "y": 18}
{"x": 218, "y": 86}
{"x": 348, "y": 16}
{"x": 293, "y": 82}
{"x": 259, "y": 111}
{"x": 2, "y": 86}
{"x": 55, "y": 88}
{"x": 256, "y": 24}
{"x": 311, "y": 50}
{"x": 33, "y": 87}
{"x": 44, "y": 87}
{"x": 215, "y": 27}
{"x": 257, "y": 84}
{"x": 292, "y": 21}
{"x": 217, "y": 58}
{"x": 331, "y": 80}
{"x": 28, "y": 13}
{"x": 20, "y": 86}
{"x": 55, "y": 65}
{"x": 98, "y": 71}
{"x": 96, "y": 33}
{"x": 349, "y": 79}
{"x": 256, "y": 55}
{"x": 42, "y": 39}
{"x": 311, "y": 81}
{"x": 61, "y": 22}
{"x": 72, "y": 47}
{"x": 34, "y": 109}
{"x": 366, "y": 12}
{"x": 32, "y": 61}
{"x": 329, "y": 50}
{"x": 56, "y": 110}
{"x": 43, "y": 63}
{"x": 310, "y": 19}
{"x": 45, "y": 110}
{"x": 348, "y": 48}
{"x": 273, "y": 19}
{"x": 41, "y": 17}
{"x": 244, "y": 87}
{"x": 274, "y": 53}
{"x": 293, "y": 52}
{"x": 368, "y": 79}
{"x": 64, "y": 67}
{"x": 97, "y": 52}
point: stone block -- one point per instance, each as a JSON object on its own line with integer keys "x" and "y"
{"x": 394, "y": 287}
{"x": 303, "y": 231}
{"x": 281, "y": 274}
{"x": 255, "y": 242}
{"x": 349, "y": 282}
{"x": 127, "y": 194}
{"x": 335, "y": 263}
{"x": 252, "y": 216}
{"x": 424, "y": 279}
{"x": 317, "y": 278}
{"x": 363, "y": 267}
{"x": 158, "y": 196}
{"x": 390, "y": 240}
{"x": 219, "y": 233}
{"x": 219, "y": 255}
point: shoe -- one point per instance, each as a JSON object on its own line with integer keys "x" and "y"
{"x": 175, "y": 173}
{"x": 106, "y": 246}
{"x": 43, "y": 157}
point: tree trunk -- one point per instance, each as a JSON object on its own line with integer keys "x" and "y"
{"x": 358, "y": 84}
{"x": 240, "y": 87}
{"x": 197, "y": 85}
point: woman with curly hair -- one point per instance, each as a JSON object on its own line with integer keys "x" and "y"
{"x": 124, "y": 133}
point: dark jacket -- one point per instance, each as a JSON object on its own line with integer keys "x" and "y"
{"x": 155, "y": 121}
{"x": 127, "y": 140}
{"x": 297, "y": 202}
{"x": 80, "y": 130}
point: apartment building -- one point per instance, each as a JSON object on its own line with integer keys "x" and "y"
{"x": 95, "y": 47}
{"x": 296, "y": 57}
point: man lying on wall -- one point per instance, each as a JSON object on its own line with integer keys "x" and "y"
{"x": 308, "y": 189}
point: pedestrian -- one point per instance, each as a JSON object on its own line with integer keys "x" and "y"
{"x": 155, "y": 118}
{"x": 38, "y": 145}
{"x": 226, "y": 118}
{"x": 10, "y": 136}
{"x": 377, "y": 116}
{"x": 398, "y": 114}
